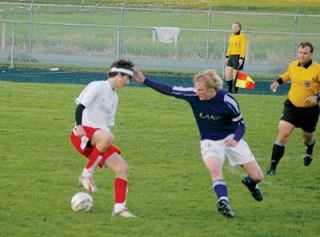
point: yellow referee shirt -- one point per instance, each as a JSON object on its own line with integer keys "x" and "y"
{"x": 305, "y": 81}
{"x": 237, "y": 45}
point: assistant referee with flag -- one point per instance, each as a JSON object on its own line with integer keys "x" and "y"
{"x": 301, "y": 109}
{"x": 235, "y": 56}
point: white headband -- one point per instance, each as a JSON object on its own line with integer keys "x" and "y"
{"x": 123, "y": 70}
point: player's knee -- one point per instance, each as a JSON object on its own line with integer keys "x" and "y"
{"x": 106, "y": 139}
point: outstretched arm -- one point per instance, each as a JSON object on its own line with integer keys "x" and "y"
{"x": 162, "y": 88}
{"x": 138, "y": 76}
{"x": 184, "y": 93}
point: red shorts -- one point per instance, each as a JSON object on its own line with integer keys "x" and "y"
{"x": 83, "y": 146}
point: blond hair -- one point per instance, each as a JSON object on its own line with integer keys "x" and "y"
{"x": 211, "y": 79}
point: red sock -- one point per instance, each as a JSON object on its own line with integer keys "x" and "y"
{"x": 120, "y": 190}
{"x": 93, "y": 157}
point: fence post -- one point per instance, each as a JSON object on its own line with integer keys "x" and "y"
{"x": 30, "y": 32}
{"x": 4, "y": 33}
{"x": 248, "y": 48}
{"x": 118, "y": 44}
{"x": 12, "y": 45}
{"x": 223, "y": 53}
{"x": 295, "y": 31}
{"x": 208, "y": 36}
{"x": 120, "y": 28}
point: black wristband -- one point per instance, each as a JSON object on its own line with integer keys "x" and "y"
{"x": 280, "y": 81}
{"x": 227, "y": 57}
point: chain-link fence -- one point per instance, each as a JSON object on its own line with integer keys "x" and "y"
{"x": 95, "y": 36}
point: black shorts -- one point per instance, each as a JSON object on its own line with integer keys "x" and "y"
{"x": 233, "y": 61}
{"x": 304, "y": 118}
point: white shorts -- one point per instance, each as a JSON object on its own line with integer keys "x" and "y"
{"x": 239, "y": 155}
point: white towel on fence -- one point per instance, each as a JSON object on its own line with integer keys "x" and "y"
{"x": 165, "y": 34}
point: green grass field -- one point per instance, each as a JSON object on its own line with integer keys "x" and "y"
{"x": 169, "y": 189}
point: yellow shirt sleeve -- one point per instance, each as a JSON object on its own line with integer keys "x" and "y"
{"x": 317, "y": 90}
{"x": 286, "y": 76}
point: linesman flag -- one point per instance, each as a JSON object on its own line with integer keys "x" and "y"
{"x": 244, "y": 81}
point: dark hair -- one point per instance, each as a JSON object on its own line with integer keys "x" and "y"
{"x": 238, "y": 23}
{"x": 306, "y": 44}
{"x": 122, "y": 63}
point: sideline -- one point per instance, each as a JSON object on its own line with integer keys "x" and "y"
{"x": 66, "y": 77}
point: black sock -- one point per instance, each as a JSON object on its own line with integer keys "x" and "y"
{"x": 229, "y": 83}
{"x": 277, "y": 153}
{"x": 309, "y": 150}
{"x": 252, "y": 184}
{"x": 235, "y": 90}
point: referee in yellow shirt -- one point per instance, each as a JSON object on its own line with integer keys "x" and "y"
{"x": 235, "y": 55}
{"x": 301, "y": 109}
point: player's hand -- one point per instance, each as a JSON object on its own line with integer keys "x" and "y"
{"x": 274, "y": 86}
{"x": 230, "y": 143}
{"x": 79, "y": 131}
{"x": 311, "y": 100}
{"x": 226, "y": 61}
{"x": 138, "y": 76}
{"x": 240, "y": 61}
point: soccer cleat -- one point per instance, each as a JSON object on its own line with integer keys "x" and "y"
{"x": 307, "y": 160}
{"x": 225, "y": 209}
{"x": 87, "y": 183}
{"x": 270, "y": 171}
{"x": 123, "y": 213}
{"x": 254, "y": 190}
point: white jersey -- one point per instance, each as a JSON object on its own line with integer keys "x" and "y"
{"x": 100, "y": 102}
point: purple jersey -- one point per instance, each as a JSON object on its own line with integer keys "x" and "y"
{"x": 216, "y": 118}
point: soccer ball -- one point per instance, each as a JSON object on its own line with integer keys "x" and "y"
{"x": 81, "y": 202}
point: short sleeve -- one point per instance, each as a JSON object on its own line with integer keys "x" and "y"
{"x": 88, "y": 95}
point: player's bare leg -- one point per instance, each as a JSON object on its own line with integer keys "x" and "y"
{"x": 100, "y": 141}
{"x": 255, "y": 176}
{"x": 234, "y": 75}
{"x": 214, "y": 165}
{"x": 229, "y": 78}
{"x": 120, "y": 167}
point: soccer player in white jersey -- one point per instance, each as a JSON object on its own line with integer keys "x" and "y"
{"x": 221, "y": 128}
{"x": 91, "y": 137}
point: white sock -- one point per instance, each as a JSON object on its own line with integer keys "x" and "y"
{"x": 87, "y": 173}
{"x": 118, "y": 207}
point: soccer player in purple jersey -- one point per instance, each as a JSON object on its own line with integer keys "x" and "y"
{"x": 221, "y": 128}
